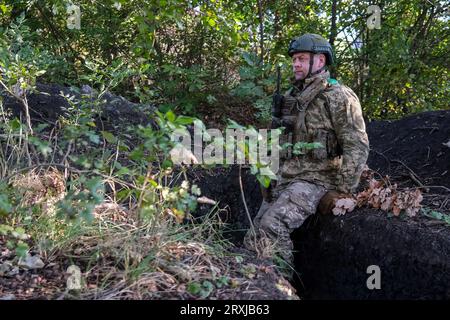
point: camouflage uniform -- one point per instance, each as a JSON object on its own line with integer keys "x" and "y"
{"x": 320, "y": 110}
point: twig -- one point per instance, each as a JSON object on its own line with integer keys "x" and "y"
{"x": 427, "y": 128}
{"x": 252, "y": 227}
{"x": 385, "y": 158}
{"x": 23, "y": 100}
{"x": 413, "y": 176}
{"x": 444, "y": 203}
{"x": 441, "y": 187}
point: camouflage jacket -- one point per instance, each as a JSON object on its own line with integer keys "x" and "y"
{"x": 327, "y": 112}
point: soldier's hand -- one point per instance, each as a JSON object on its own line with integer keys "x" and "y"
{"x": 276, "y": 123}
{"x": 328, "y": 201}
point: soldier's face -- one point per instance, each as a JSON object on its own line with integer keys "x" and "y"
{"x": 300, "y": 64}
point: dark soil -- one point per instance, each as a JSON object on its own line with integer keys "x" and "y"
{"x": 46, "y": 283}
{"x": 415, "y": 142}
{"x": 334, "y": 253}
{"x": 222, "y": 185}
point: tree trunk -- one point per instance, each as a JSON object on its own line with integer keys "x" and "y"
{"x": 333, "y": 33}
{"x": 261, "y": 30}
{"x": 333, "y": 30}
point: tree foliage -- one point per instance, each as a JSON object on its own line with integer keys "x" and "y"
{"x": 193, "y": 55}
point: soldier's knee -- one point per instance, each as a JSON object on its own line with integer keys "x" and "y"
{"x": 273, "y": 225}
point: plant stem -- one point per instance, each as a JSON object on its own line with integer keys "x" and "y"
{"x": 252, "y": 227}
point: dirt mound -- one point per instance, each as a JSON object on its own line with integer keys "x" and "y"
{"x": 413, "y": 151}
{"x": 334, "y": 254}
{"x": 47, "y": 104}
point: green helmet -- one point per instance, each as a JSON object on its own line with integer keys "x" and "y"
{"x": 314, "y": 43}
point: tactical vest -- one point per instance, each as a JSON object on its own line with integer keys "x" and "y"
{"x": 300, "y": 128}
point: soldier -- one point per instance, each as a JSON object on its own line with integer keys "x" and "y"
{"x": 316, "y": 109}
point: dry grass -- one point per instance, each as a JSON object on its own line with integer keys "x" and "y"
{"x": 39, "y": 186}
{"x": 122, "y": 258}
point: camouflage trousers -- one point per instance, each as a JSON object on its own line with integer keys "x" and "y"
{"x": 275, "y": 221}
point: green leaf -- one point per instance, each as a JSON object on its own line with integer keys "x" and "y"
{"x": 313, "y": 145}
{"x": 249, "y": 58}
{"x": 4, "y": 229}
{"x": 170, "y": 116}
{"x": 42, "y": 146}
{"x": 123, "y": 171}
{"x": 94, "y": 138}
{"x": 196, "y": 190}
{"x": 263, "y": 180}
{"x": 211, "y": 99}
{"x": 222, "y": 281}
{"x": 19, "y": 233}
{"x": 94, "y": 184}
{"x": 15, "y": 124}
{"x": 436, "y": 215}
{"x": 137, "y": 154}
{"x": 124, "y": 194}
{"x": 447, "y": 219}
{"x": 4, "y": 8}
{"x": 208, "y": 288}
{"x": 22, "y": 249}
{"x": 266, "y": 171}
{"x": 184, "y": 120}
{"x": 153, "y": 183}
{"x": 194, "y": 288}
{"x": 167, "y": 164}
{"x": 109, "y": 137}
{"x": 211, "y": 22}
{"x": 5, "y": 205}
{"x": 234, "y": 125}
{"x": 10, "y": 244}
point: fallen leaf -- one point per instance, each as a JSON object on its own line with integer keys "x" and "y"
{"x": 343, "y": 206}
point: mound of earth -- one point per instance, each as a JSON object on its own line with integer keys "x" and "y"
{"x": 334, "y": 254}
{"x": 48, "y": 103}
{"x": 414, "y": 151}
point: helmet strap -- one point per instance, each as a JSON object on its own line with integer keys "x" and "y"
{"x": 318, "y": 71}
{"x": 311, "y": 62}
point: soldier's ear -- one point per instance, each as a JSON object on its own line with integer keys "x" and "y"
{"x": 322, "y": 59}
